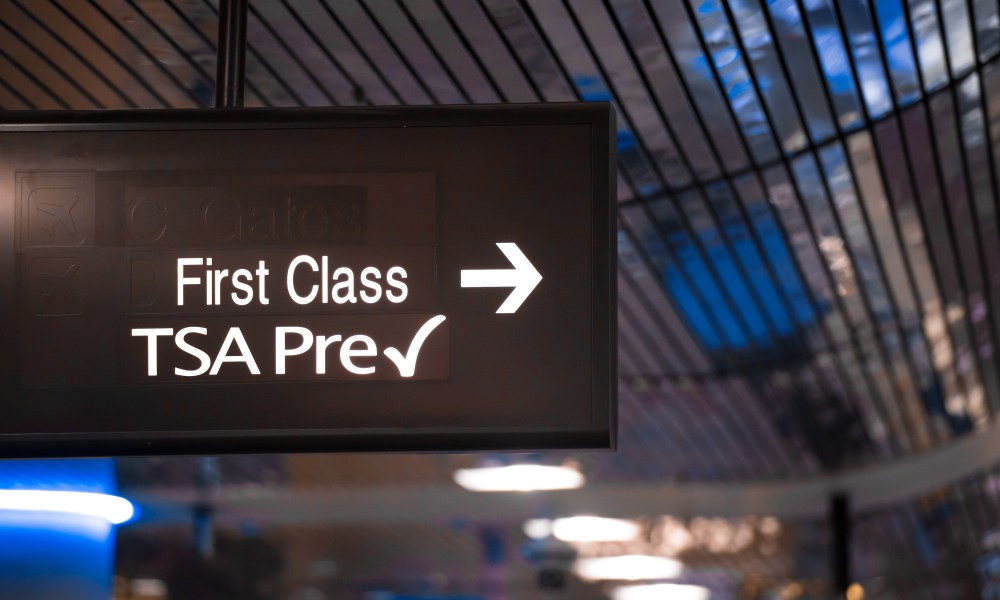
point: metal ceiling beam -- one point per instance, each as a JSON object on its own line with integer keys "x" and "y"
{"x": 231, "y": 64}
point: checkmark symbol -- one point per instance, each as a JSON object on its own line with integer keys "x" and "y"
{"x": 407, "y": 365}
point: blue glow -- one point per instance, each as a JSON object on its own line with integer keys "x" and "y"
{"x": 56, "y": 525}
{"x": 625, "y": 140}
{"x": 737, "y": 294}
{"x": 698, "y": 272}
{"x": 78, "y": 475}
{"x": 734, "y": 309}
{"x": 746, "y": 251}
{"x": 592, "y": 88}
{"x": 61, "y": 556}
{"x": 784, "y": 268}
{"x": 688, "y": 303}
{"x": 692, "y": 309}
{"x": 742, "y": 300}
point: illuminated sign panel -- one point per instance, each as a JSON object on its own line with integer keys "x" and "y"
{"x": 382, "y": 279}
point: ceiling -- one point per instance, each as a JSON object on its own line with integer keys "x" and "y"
{"x": 809, "y": 255}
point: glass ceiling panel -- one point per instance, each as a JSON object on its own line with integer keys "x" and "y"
{"x": 773, "y": 240}
{"x": 696, "y": 71}
{"x": 343, "y": 47}
{"x": 744, "y": 247}
{"x": 838, "y": 74}
{"x": 863, "y": 39}
{"x": 618, "y": 69}
{"x": 785, "y": 24}
{"x": 926, "y": 35}
{"x": 671, "y": 97}
{"x": 755, "y": 42}
{"x": 400, "y": 29}
{"x": 722, "y": 268}
{"x": 653, "y": 334}
{"x": 473, "y": 23}
{"x": 958, "y": 34}
{"x": 386, "y": 55}
{"x": 728, "y": 61}
{"x": 898, "y": 49}
{"x": 452, "y": 50}
{"x": 577, "y": 62}
{"x": 986, "y": 18}
{"x": 531, "y": 49}
{"x": 647, "y": 289}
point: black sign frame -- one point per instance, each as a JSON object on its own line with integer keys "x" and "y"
{"x": 598, "y": 433}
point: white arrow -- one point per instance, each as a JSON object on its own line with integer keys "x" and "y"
{"x": 523, "y": 277}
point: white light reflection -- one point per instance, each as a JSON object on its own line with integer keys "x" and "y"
{"x": 519, "y": 478}
{"x": 661, "y": 591}
{"x": 113, "y": 509}
{"x": 632, "y": 567}
{"x": 537, "y": 529}
{"x": 583, "y": 529}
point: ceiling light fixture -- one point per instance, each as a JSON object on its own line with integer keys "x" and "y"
{"x": 537, "y": 529}
{"x": 661, "y": 591}
{"x": 584, "y": 529}
{"x": 113, "y": 509}
{"x": 519, "y": 478}
{"x": 634, "y": 567}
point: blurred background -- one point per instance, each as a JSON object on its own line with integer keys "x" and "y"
{"x": 809, "y": 304}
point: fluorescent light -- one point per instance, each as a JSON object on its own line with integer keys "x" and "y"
{"x": 595, "y": 529}
{"x": 113, "y": 509}
{"x": 634, "y": 567}
{"x": 583, "y": 529}
{"x": 661, "y": 591}
{"x": 537, "y": 529}
{"x": 519, "y": 478}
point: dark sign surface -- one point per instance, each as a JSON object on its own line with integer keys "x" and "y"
{"x": 334, "y": 279}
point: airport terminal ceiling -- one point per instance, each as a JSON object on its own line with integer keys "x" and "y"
{"x": 808, "y": 284}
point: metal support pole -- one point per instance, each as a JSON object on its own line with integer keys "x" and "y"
{"x": 840, "y": 523}
{"x": 231, "y": 63}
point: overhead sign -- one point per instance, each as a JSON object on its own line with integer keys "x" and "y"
{"x": 261, "y": 280}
